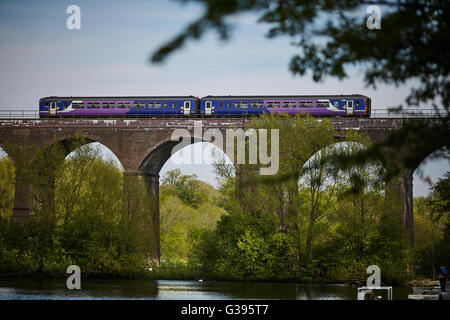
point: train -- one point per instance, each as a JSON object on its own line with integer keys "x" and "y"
{"x": 208, "y": 106}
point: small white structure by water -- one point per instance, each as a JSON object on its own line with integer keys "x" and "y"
{"x": 362, "y": 291}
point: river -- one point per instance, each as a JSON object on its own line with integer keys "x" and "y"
{"x": 170, "y": 289}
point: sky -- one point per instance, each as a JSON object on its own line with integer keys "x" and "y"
{"x": 109, "y": 56}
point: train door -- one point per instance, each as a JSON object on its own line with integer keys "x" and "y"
{"x": 52, "y": 109}
{"x": 187, "y": 108}
{"x": 349, "y": 107}
{"x": 208, "y": 107}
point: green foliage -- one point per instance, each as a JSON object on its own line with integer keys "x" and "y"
{"x": 7, "y": 179}
{"x": 441, "y": 196}
{"x": 84, "y": 224}
{"x": 243, "y": 248}
{"x": 331, "y": 224}
{"x": 432, "y": 229}
{"x": 188, "y": 207}
{"x": 189, "y": 189}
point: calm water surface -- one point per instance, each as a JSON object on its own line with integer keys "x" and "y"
{"x": 171, "y": 289}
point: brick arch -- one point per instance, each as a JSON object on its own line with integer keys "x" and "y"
{"x": 340, "y": 138}
{"x": 72, "y": 141}
{"x": 416, "y": 164}
{"x": 4, "y": 148}
{"x": 361, "y": 144}
{"x": 158, "y": 154}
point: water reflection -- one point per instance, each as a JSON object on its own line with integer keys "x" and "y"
{"x": 168, "y": 289}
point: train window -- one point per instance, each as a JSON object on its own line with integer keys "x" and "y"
{"x": 93, "y": 105}
{"x": 78, "y": 105}
{"x": 322, "y": 104}
{"x": 292, "y": 104}
{"x": 253, "y": 104}
{"x": 46, "y": 104}
{"x": 260, "y": 104}
{"x": 305, "y": 104}
{"x": 139, "y": 105}
{"x": 154, "y": 105}
{"x": 276, "y": 104}
{"x": 229, "y": 104}
{"x": 108, "y": 105}
{"x": 241, "y": 104}
{"x": 166, "y": 105}
{"x": 174, "y": 105}
{"x": 220, "y": 105}
{"x": 270, "y": 104}
{"x": 358, "y": 103}
{"x": 123, "y": 105}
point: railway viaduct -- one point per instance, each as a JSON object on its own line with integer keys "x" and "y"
{"x": 144, "y": 145}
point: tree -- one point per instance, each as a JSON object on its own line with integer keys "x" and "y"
{"x": 300, "y": 138}
{"x": 441, "y": 195}
{"x": 359, "y": 198}
{"x": 320, "y": 186}
{"x": 435, "y": 208}
{"x": 78, "y": 217}
{"x": 188, "y": 187}
{"x": 183, "y": 218}
{"x": 440, "y": 206}
{"x": 171, "y": 177}
{"x": 7, "y": 178}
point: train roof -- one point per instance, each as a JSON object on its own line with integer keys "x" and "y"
{"x": 120, "y": 98}
{"x": 266, "y": 97}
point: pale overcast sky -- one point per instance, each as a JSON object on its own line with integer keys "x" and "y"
{"x": 109, "y": 56}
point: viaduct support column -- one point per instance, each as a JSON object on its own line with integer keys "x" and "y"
{"x": 152, "y": 181}
{"x": 407, "y": 204}
{"x": 22, "y": 199}
{"x": 399, "y": 194}
{"x": 141, "y": 194}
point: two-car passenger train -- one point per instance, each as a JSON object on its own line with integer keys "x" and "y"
{"x": 213, "y": 106}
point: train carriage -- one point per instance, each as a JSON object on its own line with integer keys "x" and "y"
{"x": 322, "y": 105}
{"x": 118, "y": 106}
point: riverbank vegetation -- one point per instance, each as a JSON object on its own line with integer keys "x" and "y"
{"x": 83, "y": 225}
{"x": 325, "y": 223}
